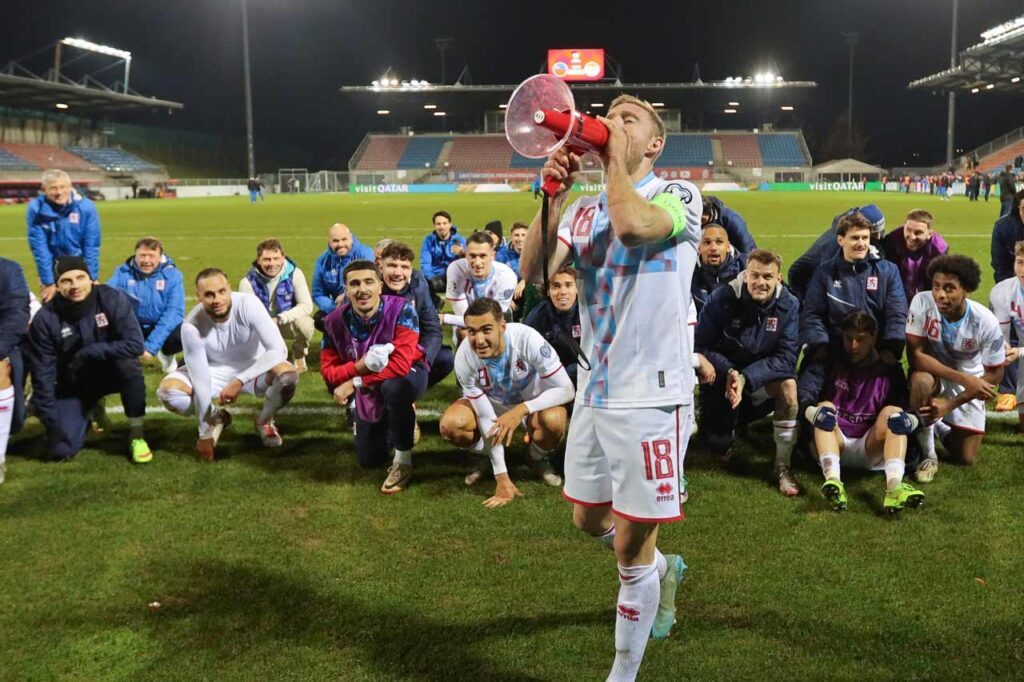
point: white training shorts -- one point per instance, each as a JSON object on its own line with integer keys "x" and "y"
{"x": 854, "y": 453}
{"x": 970, "y": 416}
{"x": 221, "y": 377}
{"x": 627, "y": 458}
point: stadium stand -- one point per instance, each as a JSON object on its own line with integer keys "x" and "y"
{"x": 686, "y": 150}
{"x": 48, "y": 156}
{"x": 781, "y": 150}
{"x": 113, "y": 159}
{"x": 382, "y": 152}
{"x": 483, "y": 151}
{"x": 9, "y": 161}
{"x": 995, "y": 161}
{"x": 422, "y": 151}
{"x": 741, "y": 150}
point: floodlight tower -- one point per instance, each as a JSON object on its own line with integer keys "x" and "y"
{"x": 442, "y": 45}
{"x": 248, "y": 92}
{"x": 951, "y": 111}
{"x": 851, "y": 42}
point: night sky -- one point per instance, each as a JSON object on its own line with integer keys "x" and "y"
{"x": 304, "y": 50}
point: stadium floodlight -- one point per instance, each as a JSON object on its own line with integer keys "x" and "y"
{"x": 657, "y": 104}
{"x": 503, "y": 106}
{"x": 974, "y": 91}
{"x": 786, "y": 107}
{"x": 1015, "y": 79}
{"x": 990, "y": 86}
{"x": 430, "y": 106}
{"x": 1003, "y": 29}
{"x": 61, "y": 105}
{"x": 728, "y": 111}
{"x": 597, "y": 105}
{"x": 734, "y": 104}
{"x": 95, "y": 47}
{"x": 394, "y": 82}
{"x": 376, "y": 83}
{"x": 383, "y": 112}
{"x": 439, "y": 113}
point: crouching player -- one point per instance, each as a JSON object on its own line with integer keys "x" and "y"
{"x": 509, "y": 376}
{"x": 956, "y": 357}
{"x": 372, "y": 350}
{"x": 232, "y": 346}
{"x": 857, "y": 418}
{"x": 1007, "y": 299}
{"x": 748, "y": 332}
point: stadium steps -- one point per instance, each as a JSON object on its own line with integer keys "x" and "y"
{"x": 996, "y": 161}
{"x": 113, "y": 159}
{"x": 473, "y": 152}
{"x": 717, "y": 155}
{"x": 687, "y": 150}
{"x": 382, "y": 152}
{"x": 741, "y": 150}
{"x": 13, "y": 162}
{"x": 49, "y": 156}
{"x": 422, "y": 152}
{"x": 780, "y": 149}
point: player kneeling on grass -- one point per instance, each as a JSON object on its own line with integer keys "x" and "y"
{"x": 231, "y": 346}
{"x": 372, "y": 350}
{"x": 956, "y": 357}
{"x": 86, "y": 344}
{"x": 509, "y": 376}
{"x": 748, "y": 333}
{"x": 857, "y": 418}
{"x": 1007, "y": 299}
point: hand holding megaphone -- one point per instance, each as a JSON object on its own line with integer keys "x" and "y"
{"x": 541, "y": 118}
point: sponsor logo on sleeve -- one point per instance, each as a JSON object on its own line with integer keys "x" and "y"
{"x": 545, "y": 351}
{"x": 677, "y": 190}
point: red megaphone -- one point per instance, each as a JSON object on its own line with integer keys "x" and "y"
{"x": 541, "y": 118}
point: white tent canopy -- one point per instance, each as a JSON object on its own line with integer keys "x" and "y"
{"x": 846, "y": 170}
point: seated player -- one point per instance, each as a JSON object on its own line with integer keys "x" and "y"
{"x": 912, "y": 247}
{"x": 825, "y": 247}
{"x": 477, "y": 276}
{"x": 558, "y": 319}
{"x": 854, "y": 279}
{"x": 1007, "y": 300}
{"x": 714, "y": 211}
{"x": 371, "y": 350}
{"x": 510, "y": 376}
{"x": 328, "y": 288}
{"x": 512, "y": 250}
{"x": 86, "y": 344}
{"x": 14, "y": 320}
{"x": 231, "y": 347}
{"x": 281, "y": 287}
{"x": 748, "y": 332}
{"x": 858, "y": 417}
{"x": 442, "y": 247}
{"x": 157, "y": 292}
{"x": 955, "y": 349}
{"x": 400, "y": 279}
{"x": 718, "y": 263}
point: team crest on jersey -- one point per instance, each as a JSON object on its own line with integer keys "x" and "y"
{"x": 545, "y": 350}
{"x": 677, "y": 190}
{"x": 872, "y": 284}
{"x": 577, "y": 331}
{"x": 483, "y": 378}
{"x": 101, "y": 320}
{"x": 65, "y": 332}
{"x": 969, "y": 345}
{"x": 160, "y": 284}
{"x": 73, "y": 218}
{"x": 771, "y": 324}
{"x": 521, "y": 366}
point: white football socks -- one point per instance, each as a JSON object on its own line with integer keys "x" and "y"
{"x": 639, "y": 591}
{"x": 280, "y": 391}
{"x": 926, "y": 439}
{"x": 830, "y": 466}
{"x": 6, "y": 415}
{"x": 894, "y": 471}
{"x": 785, "y": 433}
{"x": 403, "y": 457}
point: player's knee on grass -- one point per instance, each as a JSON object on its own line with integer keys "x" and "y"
{"x": 965, "y": 446}
{"x": 287, "y": 379}
{"x": 175, "y": 396}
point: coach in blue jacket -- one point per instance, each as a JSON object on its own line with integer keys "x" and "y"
{"x": 14, "y": 318}
{"x": 85, "y": 344}
{"x": 714, "y": 211}
{"x": 855, "y": 279}
{"x": 1007, "y": 231}
{"x": 61, "y": 222}
{"x": 343, "y": 247}
{"x": 155, "y": 287}
{"x": 440, "y": 248}
{"x": 400, "y": 279}
{"x": 748, "y": 332}
{"x": 826, "y": 247}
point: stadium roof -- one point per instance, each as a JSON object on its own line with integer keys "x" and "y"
{"x": 613, "y": 86}
{"x": 995, "y": 64}
{"x": 35, "y": 92}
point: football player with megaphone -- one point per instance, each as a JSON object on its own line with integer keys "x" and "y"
{"x": 634, "y": 247}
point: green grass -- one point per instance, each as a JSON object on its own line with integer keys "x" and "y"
{"x": 291, "y": 565}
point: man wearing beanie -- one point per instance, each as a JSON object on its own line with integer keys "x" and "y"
{"x": 827, "y": 246}
{"x": 85, "y": 344}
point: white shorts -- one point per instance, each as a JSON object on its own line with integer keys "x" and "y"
{"x": 221, "y": 377}
{"x": 627, "y": 458}
{"x": 854, "y": 453}
{"x": 970, "y": 416}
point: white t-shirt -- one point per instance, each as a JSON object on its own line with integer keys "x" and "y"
{"x": 634, "y": 303}
{"x": 248, "y": 342}
{"x": 970, "y": 344}
{"x": 528, "y": 367}
{"x": 1007, "y": 300}
{"x": 463, "y": 288}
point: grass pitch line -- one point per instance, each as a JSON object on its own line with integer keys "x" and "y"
{"x": 298, "y": 409}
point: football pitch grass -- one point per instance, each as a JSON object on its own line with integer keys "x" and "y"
{"x": 289, "y": 564}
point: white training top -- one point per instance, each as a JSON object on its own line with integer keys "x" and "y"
{"x": 634, "y": 303}
{"x": 463, "y": 288}
{"x": 529, "y": 371}
{"x": 247, "y": 343}
{"x": 970, "y": 345}
{"x": 1007, "y": 300}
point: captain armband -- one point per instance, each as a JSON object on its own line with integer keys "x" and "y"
{"x": 672, "y": 205}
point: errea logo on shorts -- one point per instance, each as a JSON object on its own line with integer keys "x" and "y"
{"x": 665, "y": 493}
{"x": 629, "y": 613}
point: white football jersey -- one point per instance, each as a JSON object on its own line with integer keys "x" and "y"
{"x": 514, "y": 377}
{"x": 634, "y": 303}
{"x": 1007, "y": 300}
{"x": 499, "y": 285}
{"x": 238, "y": 342}
{"x": 970, "y": 345}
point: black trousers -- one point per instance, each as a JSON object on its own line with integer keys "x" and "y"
{"x": 374, "y": 440}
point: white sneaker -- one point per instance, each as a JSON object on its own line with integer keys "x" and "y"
{"x": 223, "y": 422}
{"x": 542, "y": 467}
{"x": 167, "y": 364}
{"x": 477, "y": 472}
{"x": 269, "y": 434}
{"x": 926, "y": 470}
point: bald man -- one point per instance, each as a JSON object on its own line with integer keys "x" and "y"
{"x": 328, "y": 286}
